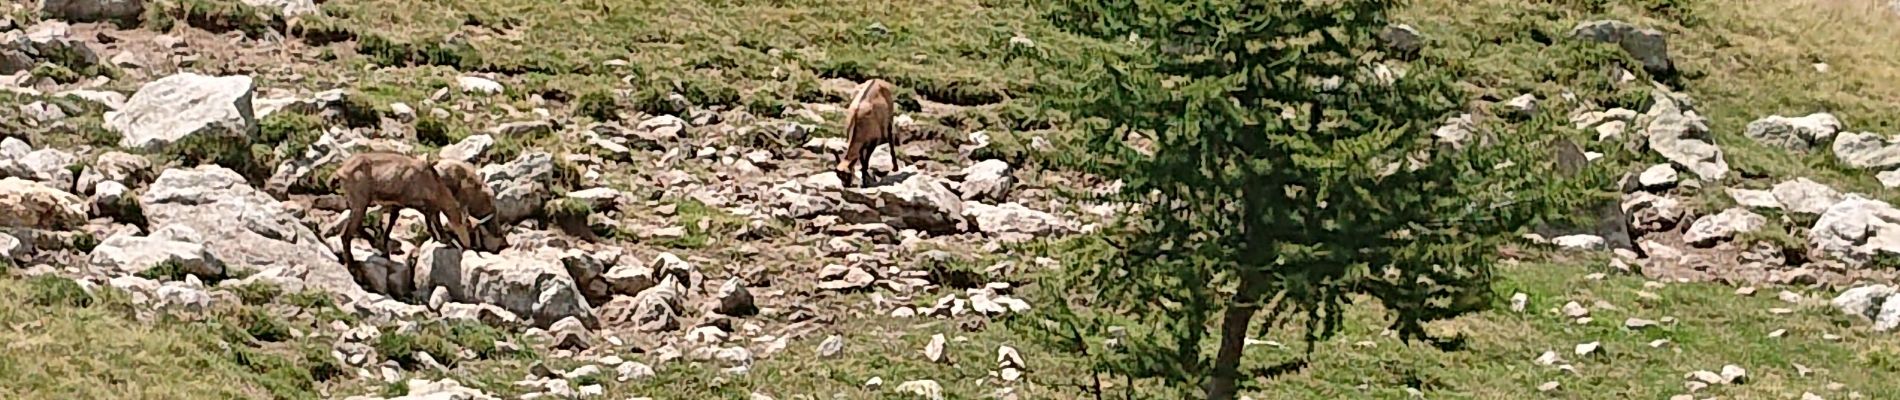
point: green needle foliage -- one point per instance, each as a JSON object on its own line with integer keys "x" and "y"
{"x": 1290, "y": 169}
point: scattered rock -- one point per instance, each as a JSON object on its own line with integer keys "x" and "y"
{"x": 48, "y": 166}
{"x": 534, "y": 284}
{"x": 1660, "y": 176}
{"x": 934, "y": 351}
{"x": 1647, "y": 45}
{"x": 1587, "y": 349}
{"x": 185, "y": 105}
{"x": 633, "y": 371}
{"x": 1683, "y": 137}
{"x": 1402, "y": 38}
{"x": 1579, "y": 242}
{"x": 1012, "y": 218}
{"x": 475, "y": 84}
{"x": 245, "y": 228}
{"x": 1522, "y": 107}
{"x": 1754, "y": 198}
{"x": 569, "y": 333}
{"x": 1638, "y": 323}
{"x": 1722, "y": 227}
{"x": 1732, "y": 374}
{"x": 734, "y": 299}
{"x": 29, "y": 204}
{"x": 927, "y": 389}
{"x": 1574, "y": 310}
{"x": 987, "y": 180}
{"x": 1866, "y": 150}
{"x": 127, "y": 255}
{"x": 1805, "y": 196}
{"x": 521, "y": 186}
{"x": 469, "y": 149}
{"x": 831, "y": 347}
{"x": 1798, "y": 133}
{"x": 1855, "y": 230}
{"x": 93, "y": 10}
{"x": 919, "y": 202}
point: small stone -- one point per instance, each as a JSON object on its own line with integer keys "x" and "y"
{"x": 1802, "y": 370}
{"x": 1659, "y": 343}
{"x": 1548, "y": 358}
{"x": 1790, "y": 297}
{"x": 1588, "y": 348}
{"x": 934, "y": 351}
{"x": 1705, "y": 377}
{"x": 1734, "y": 374}
{"x": 1660, "y": 176}
{"x": 1575, "y": 310}
{"x": 1778, "y": 333}
{"x": 874, "y": 382}
{"x": 1547, "y": 386}
{"x": 927, "y": 389}
{"x": 1745, "y": 291}
{"x": 1519, "y": 301}
{"x": 831, "y": 346}
{"x": 1780, "y": 311}
{"x": 633, "y": 370}
{"x": 1638, "y": 323}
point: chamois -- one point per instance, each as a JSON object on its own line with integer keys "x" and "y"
{"x": 394, "y": 181}
{"x": 867, "y": 124}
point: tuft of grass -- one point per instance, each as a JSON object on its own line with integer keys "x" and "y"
{"x": 53, "y": 291}
{"x": 218, "y": 16}
{"x": 257, "y": 293}
{"x": 567, "y": 208}
{"x": 690, "y": 213}
{"x": 599, "y": 105}
{"x": 436, "y": 132}
{"x": 169, "y": 270}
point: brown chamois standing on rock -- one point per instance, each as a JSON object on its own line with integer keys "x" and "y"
{"x": 394, "y": 181}
{"x": 868, "y": 123}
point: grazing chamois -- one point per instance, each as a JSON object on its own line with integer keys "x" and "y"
{"x": 867, "y": 124}
{"x": 394, "y": 181}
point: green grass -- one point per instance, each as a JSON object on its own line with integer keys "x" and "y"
{"x": 64, "y": 343}
{"x": 1713, "y": 327}
{"x": 691, "y": 213}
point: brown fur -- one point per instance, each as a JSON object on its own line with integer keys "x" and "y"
{"x": 867, "y": 124}
{"x": 394, "y": 181}
{"x": 463, "y": 180}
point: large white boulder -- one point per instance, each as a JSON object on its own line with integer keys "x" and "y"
{"x": 175, "y": 107}
{"x": 29, "y": 204}
{"x": 245, "y": 228}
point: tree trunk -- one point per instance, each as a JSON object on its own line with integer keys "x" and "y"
{"x": 1224, "y": 383}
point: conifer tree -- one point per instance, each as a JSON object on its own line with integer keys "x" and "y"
{"x": 1290, "y": 169}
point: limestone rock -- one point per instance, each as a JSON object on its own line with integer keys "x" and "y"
{"x": 1720, "y": 227}
{"x": 185, "y": 105}
{"x": 28, "y": 204}
{"x": 1797, "y": 133}
{"x": 1866, "y": 150}
{"x": 530, "y": 283}
{"x": 1648, "y": 45}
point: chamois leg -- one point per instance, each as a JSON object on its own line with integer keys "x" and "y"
{"x": 864, "y": 166}
{"x": 353, "y": 224}
{"x": 389, "y": 228}
{"x": 890, "y": 136}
